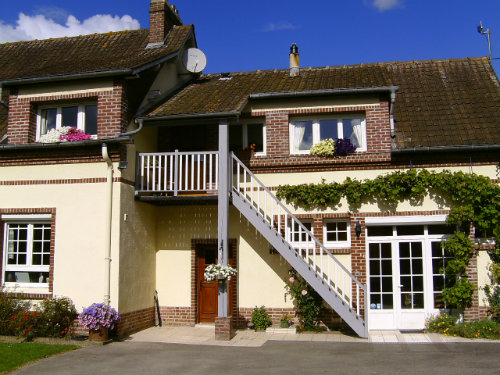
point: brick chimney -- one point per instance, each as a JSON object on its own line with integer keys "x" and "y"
{"x": 162, "y": 17}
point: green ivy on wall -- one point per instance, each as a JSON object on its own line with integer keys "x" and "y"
{"x": 471, "y": 198}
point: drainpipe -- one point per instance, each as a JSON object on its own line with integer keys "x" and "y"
{"x": 391, "y": 112}
{"x": 132, "y": 132}
{"x": 107, "y": 226}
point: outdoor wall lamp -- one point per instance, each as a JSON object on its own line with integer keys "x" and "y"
{"x": 358, "y": 229}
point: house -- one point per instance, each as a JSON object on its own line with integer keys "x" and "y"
{"x": 154, "y": 196}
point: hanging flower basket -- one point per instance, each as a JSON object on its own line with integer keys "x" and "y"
{"x": 219, "y": 272}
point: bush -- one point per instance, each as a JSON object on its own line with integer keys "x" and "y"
{"x": 440, "y": 323}
{"x": 260, "y": 318}
{"x": 445, "y": 324}
{"x": 307, "y": 302}
{"x": 486, "y": 329}
{"x": 57, "y": 317}
{"x": 25, "y": 324}
{"x": 10, "y": 306}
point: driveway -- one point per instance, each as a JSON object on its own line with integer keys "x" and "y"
{"x": 276, "y": 357}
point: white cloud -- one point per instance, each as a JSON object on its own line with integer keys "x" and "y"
{"x": 41, "y": 27}
{"x": 279, "y": 26}
{"x": 383, "y": 5}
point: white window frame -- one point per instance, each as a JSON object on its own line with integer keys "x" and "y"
{"x": 290, "y": 233}
{"x": 80, "y": 118}
{"x": 337, "y": 244}
{"x": 316, "y": 130}
{"x": 244, "y": 131}
{"x": 31, "y": 221}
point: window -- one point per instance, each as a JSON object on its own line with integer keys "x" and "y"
{"x": 26, "y": 253}
{"x": 83, "y": 117}
{"x": 439, "y": 261}
{"x": 304, "y": 133}
{"x": 337, "y": 233}
{"x": 244, "y": 135}
{"x": 297, "y": 236}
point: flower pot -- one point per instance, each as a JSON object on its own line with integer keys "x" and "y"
{"x": 101, "y": 335}
{"x": 285, "y": 324}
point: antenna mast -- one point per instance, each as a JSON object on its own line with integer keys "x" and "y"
{"x": 480, "y": 30}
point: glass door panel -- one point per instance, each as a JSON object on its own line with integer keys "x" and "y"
{"x": 381, "y": 291}
{"x": 411, "y": 275}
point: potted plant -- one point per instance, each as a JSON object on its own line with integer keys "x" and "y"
{"x": 260, "y": 318}
{"x": 99, "y": 318}
{"x": 285, "y": 320}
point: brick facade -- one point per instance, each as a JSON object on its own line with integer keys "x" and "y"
{"x": 111, "y": 111}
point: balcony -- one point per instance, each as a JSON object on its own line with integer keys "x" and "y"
{"x": 169, "y": 178}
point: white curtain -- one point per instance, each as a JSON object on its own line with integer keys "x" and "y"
{"x": 357, "y": 132}
{"x": 298, "y": 134}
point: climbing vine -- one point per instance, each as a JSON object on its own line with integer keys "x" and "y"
{"x": 471, "y": 198}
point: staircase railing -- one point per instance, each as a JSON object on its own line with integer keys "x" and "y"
{"x": 318, "y": 258}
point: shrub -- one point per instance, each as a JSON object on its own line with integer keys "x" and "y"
{"x": 9, "y": 307}
{"x": 25, "y": 324}
{"x": 486, "y": 329}
{"x": 307, "y": 301}
{"x": 260, "y": 318}
{"x": 439, "y": 323}
{"x": 57, "y": 317}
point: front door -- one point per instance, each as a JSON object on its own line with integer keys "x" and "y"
{"x": 208, "y": 291}
{"x": 405, "y": 279}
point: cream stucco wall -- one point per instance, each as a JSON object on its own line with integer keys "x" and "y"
{"x": 260, "y": 274}
{"x": 483, "y": 264}
{"x": 66, "y": 88}
{"x": 137, "y": 252}
{"x": 79, "y": 230}
{"x": 277, "y": 179}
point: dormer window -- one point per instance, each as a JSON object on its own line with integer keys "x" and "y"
{"x": 306, "y": 132}
{"x": 82, "y": 117}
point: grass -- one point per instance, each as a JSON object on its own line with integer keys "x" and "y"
{"x": 14, "y": 355}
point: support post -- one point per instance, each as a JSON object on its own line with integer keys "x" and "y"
{"x": 223, "y": 215}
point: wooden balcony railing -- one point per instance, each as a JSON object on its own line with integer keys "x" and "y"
{"x": 174, "y": 173}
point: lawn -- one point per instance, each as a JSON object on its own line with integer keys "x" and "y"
{"x": 13, "y": 355}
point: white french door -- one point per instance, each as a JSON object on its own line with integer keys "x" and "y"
{"x": 405, "y": 279}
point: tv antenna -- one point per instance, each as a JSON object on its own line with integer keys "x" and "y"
{"x": 481, "y": 30}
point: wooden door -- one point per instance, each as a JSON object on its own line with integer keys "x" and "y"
{"x": 208, "y": 290}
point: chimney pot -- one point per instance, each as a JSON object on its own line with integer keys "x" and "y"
{"x": 294, "y": 61}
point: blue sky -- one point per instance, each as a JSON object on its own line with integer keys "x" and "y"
{"x": 240, "y": 35}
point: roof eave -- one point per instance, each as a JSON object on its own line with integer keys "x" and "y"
{"x": 323, "y": 92}
{"x": 457, "y": 148}
{"x": 66, "y": 77}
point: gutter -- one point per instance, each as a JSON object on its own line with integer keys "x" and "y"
{"x": 194, "y": 116}
{"x": 293, "y": 94}
{"x": 107, "y": 225}
{"x": 409, "y": 150}
{"x": 87, "y": 143}
{"x": 67, "y": 77}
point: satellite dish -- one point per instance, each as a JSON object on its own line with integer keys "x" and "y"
{"x": 194, "y": 60}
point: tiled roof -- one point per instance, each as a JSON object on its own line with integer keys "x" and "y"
{"x": 85, "y": 53}
{"x": 439, "y": 102}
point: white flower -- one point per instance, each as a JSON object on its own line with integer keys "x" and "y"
{"x": 324, "y": 148}
{"x": 217, "y": 271}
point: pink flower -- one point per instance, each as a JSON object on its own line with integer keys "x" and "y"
{"x": 291, "y": 279}
{"x": 304, "y": 292}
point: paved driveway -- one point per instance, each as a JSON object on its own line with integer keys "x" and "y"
{"x": 276, "y": 357}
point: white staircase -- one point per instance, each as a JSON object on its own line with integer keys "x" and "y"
{"x": 320, "y": 268}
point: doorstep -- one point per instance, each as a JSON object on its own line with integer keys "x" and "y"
{"x": 289, "y": 331}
